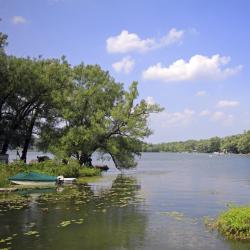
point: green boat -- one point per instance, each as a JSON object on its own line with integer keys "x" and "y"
{"x": 32, "y": 178}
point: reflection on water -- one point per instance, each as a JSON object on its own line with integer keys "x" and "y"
{"x": 110, "y": 219}
{"x": 159, "y": 205}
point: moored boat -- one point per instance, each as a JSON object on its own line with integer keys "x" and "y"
{"x": 32, "y": 178}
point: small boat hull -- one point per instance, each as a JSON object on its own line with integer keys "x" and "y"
{"x": 34, "y": 183}
{"x": 69, "y": 180}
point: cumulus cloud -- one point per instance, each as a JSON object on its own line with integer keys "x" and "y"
{"x": 221, "y": 117}
{"x": 172, "y": 119}
{"x": 205, "y": 113}
{"x": 227, "y": 104}
{"x": 18, "y": 20}
{"x": 218, "y": 117}
{"x": 173, "y": 36}
{"x": 128, "y": 42}
{"x": 201, "y": 93}
{"x": 198, "y": 67}
{"x": 126, "y": 65}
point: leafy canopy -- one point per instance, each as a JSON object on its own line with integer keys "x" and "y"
{"x": 99, "y": 115}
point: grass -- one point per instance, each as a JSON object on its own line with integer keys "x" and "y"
{"x": 234, "y": 223}
{"x": 89, "y": 172}
{"x": 51, "y": 167}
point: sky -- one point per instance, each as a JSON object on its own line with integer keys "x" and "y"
{"x": 190, "y": 57}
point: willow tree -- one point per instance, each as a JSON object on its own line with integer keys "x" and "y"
{"x": 99, "y": 115}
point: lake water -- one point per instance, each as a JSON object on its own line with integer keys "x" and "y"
{"x": 159, "y": 205}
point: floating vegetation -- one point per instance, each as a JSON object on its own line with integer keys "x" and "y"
{"x": 13, "y": 202}
{"x": 80, "y": 221}
{"x": 64, "y": 223}
{"x": 32, "y": 233}
{"x": 7, "y": 241}
{"x": 209, "y": 222}
{"x": 174, "y": 214}
{"x": 69, "y": 222}
{"x": 66, "y": 194}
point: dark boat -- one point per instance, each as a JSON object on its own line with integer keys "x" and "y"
{"x": 102, "y": 167}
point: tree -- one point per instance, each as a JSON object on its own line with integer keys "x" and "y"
{"x": 230, "y": 144}
{"x": 99, "y": 115}
{"x": 3, "y": 41}
{"x": 27, "y": 96}
{"x": 244, "y": 143}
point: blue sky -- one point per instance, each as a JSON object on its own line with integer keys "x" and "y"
{"x": 191, "y": 57}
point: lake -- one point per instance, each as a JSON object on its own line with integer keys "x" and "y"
{"x": 159, "y": 205}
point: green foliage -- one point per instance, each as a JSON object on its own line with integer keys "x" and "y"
{"x": 88, "y": 172}
{"x": 230, "y": 144}
{"x": 100, "y": 115}
{"x": 234, "y": 223}
{"x": 28, "y": 91}
{"x": 3, "y": 41}
{"x": 244, "y": 143}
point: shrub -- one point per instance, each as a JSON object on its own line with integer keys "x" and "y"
{"x": 84, "y": 171}
{"x": 234, "y": 223}
{"x": 53, "y": 167}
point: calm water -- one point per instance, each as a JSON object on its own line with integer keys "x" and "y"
{"x": 133, "y": 210}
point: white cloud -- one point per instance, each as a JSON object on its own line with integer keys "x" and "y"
{"x": 218, "y": 116}
{"x": 221, "y": 117}
{"x": 150, "y": 100}
{"x": 205, "y": 113}
{"x": 201, "y": 93}
{"x": 175, "y": 119}
{"x": 227, "y": 104}
{"x": 126, "y": 65}
{"x": 173, "y": 36}
{"x": 127, "y": 42}
{"x": 18, "y": 20}
{"x": 198, "y": 67}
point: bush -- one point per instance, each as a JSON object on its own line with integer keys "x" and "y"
{"x": 235, "y": 223}
{"x": 88, "y": 172}
{"x": 53, "y": 167}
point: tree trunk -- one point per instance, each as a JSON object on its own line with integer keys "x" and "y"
{"x": 86, "y": 160}
{"x": 25, "y": 150}
{"x": 5, "y": 146}
{"x": 22, "y": 114}
{"x": 8, "y": 138}
{"x": 28, "y": 137}
{"x": 114, "y": 161}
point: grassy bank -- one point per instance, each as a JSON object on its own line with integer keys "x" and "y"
{"x": 51, "y": 167}
{"x": 234, "y": 223}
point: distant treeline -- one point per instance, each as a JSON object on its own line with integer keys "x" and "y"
{"x": 237, "y": 144}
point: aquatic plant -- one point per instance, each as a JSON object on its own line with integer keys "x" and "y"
{"x": 174, "y": 214}
{"x": 13, "y": 202}
{"x": 233, "y": 224}
{"x": 69, "y": 222}
{"x": 32, "y": 233}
